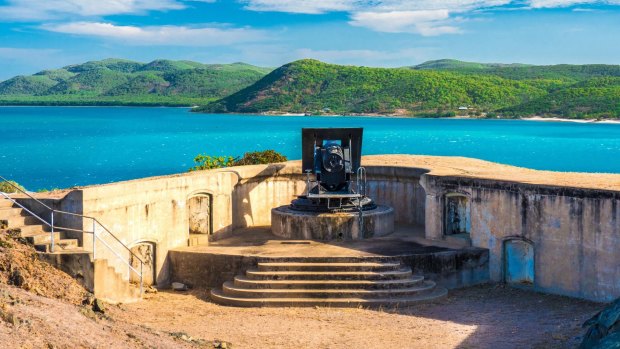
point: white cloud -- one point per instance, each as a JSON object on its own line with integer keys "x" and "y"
{"x": 29, "y": 10}
{"x": 424, "y": 22}
{"x": 160, "y": 35}
{"x": 424, "y": 17}
{"x": 301, "y": 6}
{"x": 322, "y": 6}
{"x": 568, "y": 3}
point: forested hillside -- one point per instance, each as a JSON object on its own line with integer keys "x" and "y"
{"x": 432, "y": 89}
{"x": 123, "y": 82}
{"x": 438, "y": 88}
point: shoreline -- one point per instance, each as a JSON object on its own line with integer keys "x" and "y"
{"x": 579, "y": 121}
{"x": 367, "y": 115}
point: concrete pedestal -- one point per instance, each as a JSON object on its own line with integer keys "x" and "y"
{"x": 299, "y": 225}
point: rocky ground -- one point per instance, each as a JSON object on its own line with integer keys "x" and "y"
{"x": 40, "y": 307}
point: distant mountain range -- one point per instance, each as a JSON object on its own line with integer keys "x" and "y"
{"x": 124, "y": 82}
{"x": 435, "y": 88}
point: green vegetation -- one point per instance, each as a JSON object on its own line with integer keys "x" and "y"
{"x": 260, "y": 157}
{"x": 8, "y": 188}
{"x": 434, "y": 89}
{"x": 123, "y": 82}
{"x": 442, "y": 88}
{"x": 563, "y": 72}
{"x": 207, "y": 162}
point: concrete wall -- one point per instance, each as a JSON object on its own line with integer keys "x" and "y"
{"x": 155, "y": 209}
{"x": 575, "y": 233}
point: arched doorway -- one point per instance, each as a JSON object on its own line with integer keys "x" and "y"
{"x": 456, "y": 214}
{"x": 519, "y": 262}
{"x": 200, "y": 208}
{"x": 146, "y": 252}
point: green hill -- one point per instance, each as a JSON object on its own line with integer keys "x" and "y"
{"x": 595, "y": 97}
{"x": 439, "y": 88}
{"x": 124, "y": 82}
{"x": 436, "y": 88}
{"x": 516, "y": 71}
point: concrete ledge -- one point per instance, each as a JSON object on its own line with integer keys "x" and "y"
{"x": 291, "y": 224}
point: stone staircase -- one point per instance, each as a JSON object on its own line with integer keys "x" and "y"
{"x": 21, "y": 224}
{"x": 347, "y": 282}
{"x": 96, "y": 276}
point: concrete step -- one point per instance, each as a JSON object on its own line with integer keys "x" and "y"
{"x": 198, "y": 239}
{"x": 18, "y": 221}
{"x": 300, "y": 266}
{"x": 4, "y": 202}
{"x": 219, "y": 297}
{"x": 32, "y": 229}
{"x": 62, "y": 244}
{"x": 230, "y": 290}
{"x": 41, "y": 238}
{"x": 402, "y": 273}
{"x": 331, "y": 259}
{"x": 462, "y": 240}
{"x": 244, "y": 282}
{"x": 9, "y": 212}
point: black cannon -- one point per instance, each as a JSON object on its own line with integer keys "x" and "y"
{"x": 331, "y": 159}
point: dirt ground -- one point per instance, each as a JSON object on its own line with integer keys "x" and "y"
{"x": 41, "y": 307}
{"x": 477, "y": 317}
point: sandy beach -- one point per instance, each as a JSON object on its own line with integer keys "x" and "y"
{"x": 579, "y": 121}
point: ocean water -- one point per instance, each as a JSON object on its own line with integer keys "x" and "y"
{"x": 58, "y": 147}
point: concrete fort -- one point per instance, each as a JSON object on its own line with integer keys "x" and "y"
{"x": 552, "y": 232}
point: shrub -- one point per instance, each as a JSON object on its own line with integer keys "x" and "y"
{"x": 207, "y": 162}
{"x": 260, "y": 157}
{"x": 7, "y": 188}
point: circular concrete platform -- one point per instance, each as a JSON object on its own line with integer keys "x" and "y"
{"x": 291, "y": 224}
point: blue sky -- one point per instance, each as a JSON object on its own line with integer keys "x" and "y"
{"x": 44, "y": 34}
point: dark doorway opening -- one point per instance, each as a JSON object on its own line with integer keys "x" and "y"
{"x": 456, "y": 214}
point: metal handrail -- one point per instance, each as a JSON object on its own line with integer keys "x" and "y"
{"x": 361, "y": 188}
{"x": 361, "y": 180}
{"x": 94, "y": 232}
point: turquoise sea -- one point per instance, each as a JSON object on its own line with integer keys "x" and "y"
{"x": 49, "y": 147}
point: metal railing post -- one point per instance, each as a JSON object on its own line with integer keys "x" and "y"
{"x": 52, "y": 226}
{"x": 308, "y": 182}
{"x": 94, "y": 238}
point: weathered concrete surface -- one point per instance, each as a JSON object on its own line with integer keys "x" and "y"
{"x": 571, "y": 218}
{"x": 210, "y": 266}
{"x": 575, "y": 233}
{"x": 297, "y": 225}
{"x": 111, "y": 286}
{"x": 156, "y": 209}
{"x": 77, "y": 265}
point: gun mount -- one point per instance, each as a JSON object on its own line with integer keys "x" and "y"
{"x": 331, "y": 158}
